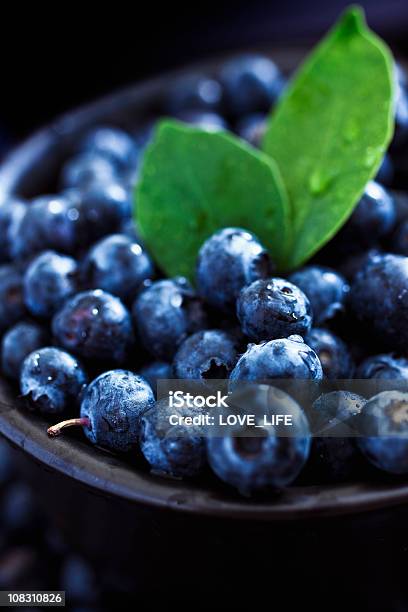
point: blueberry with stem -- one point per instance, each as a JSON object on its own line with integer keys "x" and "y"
{"x": 111, "y": 410}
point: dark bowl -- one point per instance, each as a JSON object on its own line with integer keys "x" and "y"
{"x": 110, "y": 508}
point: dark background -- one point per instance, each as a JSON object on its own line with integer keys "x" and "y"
{"x": 56, "y": 59}
{"x": 66, "y": 55}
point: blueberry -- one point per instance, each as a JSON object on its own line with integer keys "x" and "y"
{"x": 379, "y": 299}
{"x": 401, "y": 206}
{"x": 351, "y": 265}
{"x": 114, "y": 404}
{"x": 193, "y": 92}
{"x": 401, "y": 117}
{"x": 94, "y": 325}
{"x": 272, "y": 460}
{"x": 49, "y": 281}
{"x": 228, "y": 261}
{"x": 332, "y": 352}
{"x": 282, "y": 358}
{"x": 155, "y": 371}
{"x": 18, "y": 342}
{"x": 399, "y": 243}
{"x": 385, "y": 174}
{"x": 252, "y": 83}
{"x": 144, "y": 133}
{"x": 337, "y": 407}
{"x": 384, "y": 367}
{"x": 326, "y": 289}
{"x": 51, "y": 380}
{"x": 12, "y": 307}
{"x": 130, "y": 229}
{"x": 273, "y": 308}
{"x": 373, "y": 219}
{"x": 11, "y": 213}
{"x": 211, "y": 122}
{"x": 252, "y": 128}
{"x": 74, "y": 220}
{"x": 88, "y": 170}
{"x": 50, "y": 222}
{"x": 383, "y": 428}
{"x": 334, "y": 454}
{"x": 165, "y": 314}
{"x": 114, "y": 144}
{"x": 177, "y": 451}
{"x": 209, "y": 354}
{"x": 400, "y": 75}
{"x": 118, "y": 265}
{"x": 104, "y": 209}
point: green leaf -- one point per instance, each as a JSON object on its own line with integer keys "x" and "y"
{"x": 194, "y": 182}
{"x": 330, "y": 131}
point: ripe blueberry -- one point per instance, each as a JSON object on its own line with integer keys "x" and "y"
{"x": 326, "y": 289}
{"x": 273, "y": 308}
{"x": 251, "y": 83}
{"x": 94, "y": 325}
{"x": 49, "y": 281}
{"x": 18, "y": 342}
{"x": 271, "y": 460}
{"x": 210, "y": 122}
{"x": 399, "y": 242}
{"x": 372, "y": 219}
{"x": 384, "y": 367}
{"x": 385, "y": 174}
{"x": 118, "y": 265}
{"x": 50, "y": 222}
{"x": 228, "y": 261}
{"x": 155, "y": 371}
{"x": 12, "y": 307}
{"x": 282, "y": 358}
{"x": 379, "y": 298}
{"x": 383, "y": 428}
{"x": 332, "y": 352}
{"x": 113, "y": 404}
{"x": 165, "y": 313}
{"x": 51, "y": 380}
{"x": 111, "y": 143}
{"x": 252, "y": 128}
{"x": 87, "y": 170}
{"x": 11, "y": 213}
{"x": 196, "y": 92}
{"x": 104, "y": 208}
{"x": 209, "y": 354}
{"x": 334, "y": 454}
{"x": 177, "y": 451}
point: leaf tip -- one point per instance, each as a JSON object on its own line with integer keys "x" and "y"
{"x": 353, "y": 19}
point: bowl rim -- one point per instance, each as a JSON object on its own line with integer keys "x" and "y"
{"x": 111, "y": 476}
{"x": 108, "y": 474}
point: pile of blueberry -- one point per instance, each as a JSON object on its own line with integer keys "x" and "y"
{"x": 89, "y": 325}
